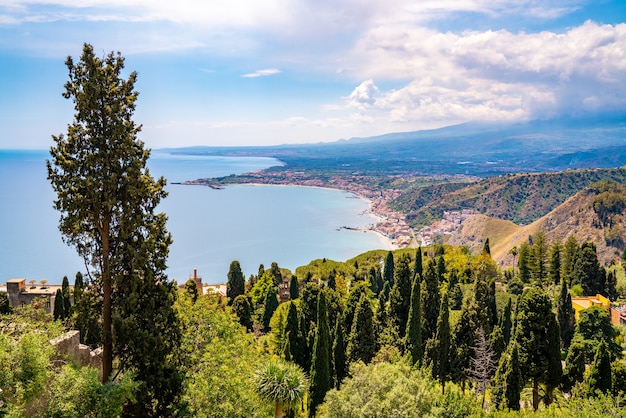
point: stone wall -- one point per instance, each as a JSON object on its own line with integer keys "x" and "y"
{"x": 69, "y": 344}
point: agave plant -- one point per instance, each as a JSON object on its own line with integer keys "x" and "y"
{"x": 280, "y": 382}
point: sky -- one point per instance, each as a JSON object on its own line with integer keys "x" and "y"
{"x": 250, "y": 72}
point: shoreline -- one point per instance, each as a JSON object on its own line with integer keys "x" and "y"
{"x": 387, "y": 242}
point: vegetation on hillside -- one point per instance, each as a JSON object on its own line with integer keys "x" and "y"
{"x": 521, "y": 198}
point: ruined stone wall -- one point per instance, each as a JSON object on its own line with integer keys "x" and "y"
{"x": 69, "y": 345}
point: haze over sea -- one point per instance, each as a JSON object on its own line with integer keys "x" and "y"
{"x": 210, "y": 228}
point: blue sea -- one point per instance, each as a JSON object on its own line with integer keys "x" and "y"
{"x": 210, "y": 228}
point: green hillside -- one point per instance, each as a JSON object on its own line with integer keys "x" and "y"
{"x": 520, "y": 198}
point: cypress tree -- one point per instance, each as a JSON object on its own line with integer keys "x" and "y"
{"x": 554, "y": 271}
{"x": 236, "y": 283}
{"x": 356, "y": 292}
{"x": 414, "y": 324}
{"x": 59, "y": 306}
{"x": 276, "y": 274}
{"x": 441, "y": 368}
{"x": 373, "y": 281}
{"x": 538, "y": 341}
{"x": 506, "y": 323}
{"x": 568, "y": 259}
{"x": 498, "y": 345}
{"x": 400, "y": 297}
{"x": 430, "y": 301}
{"x": 565, "y": 315}
{"x": 418, "y": 268}
{"x": 587, "y": 271}
{"x": 293, "y": 334}
{"x": 331, "y": 283}
{"x": 464, "y": 337}
{"x": 539, "y": 256}
{"x": 191, "y": 289}
{"x": 455, "y": 294}
{"x": 321, "y": 378}
{"x": 339, "y": 355}
{"x": 508, "y": 380}
{"x": 600, "y": 373}
{"x": 574, "y": 365}
{"x": 270, "y": 305}
{"x": 294, "y": 288}
{"x": 388, "y": 270}
{"x": 486, "y": 248}
{"x": 67, "y": 298}
{"x": 523, "y": 263}
{"x": 381, "y": 319}
{"x": 361, "y": 342}
{"x": 441, "y": 268}
{"x": 242, "y": 308}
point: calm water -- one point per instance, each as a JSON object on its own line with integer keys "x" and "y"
{"x": 210, "y": 228}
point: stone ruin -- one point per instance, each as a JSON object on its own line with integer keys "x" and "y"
{"x": 69, "y": 345}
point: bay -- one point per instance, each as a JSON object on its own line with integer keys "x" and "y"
{"x": 210, "y": 228}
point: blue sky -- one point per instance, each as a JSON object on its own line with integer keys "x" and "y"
{"x": 249, "y": 72}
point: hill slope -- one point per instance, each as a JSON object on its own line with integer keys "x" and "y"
{"x": 520, "y": 198}
{"x": 581, "y": 216}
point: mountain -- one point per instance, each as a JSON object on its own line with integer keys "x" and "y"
{"x": 478, "y": 149}
{"x": 594, "y": 214}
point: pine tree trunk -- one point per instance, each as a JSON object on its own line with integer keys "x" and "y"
{"x": 535, "y": 394}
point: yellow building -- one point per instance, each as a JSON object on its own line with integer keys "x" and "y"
{"x": 580, "y": 303}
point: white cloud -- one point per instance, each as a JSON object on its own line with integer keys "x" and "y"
{"x": 495, "y": 75}
{"x": 262, "y": 73}
{"x": 363, "y": 95}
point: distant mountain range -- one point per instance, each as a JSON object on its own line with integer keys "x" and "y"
{"x": 479, "y": 149}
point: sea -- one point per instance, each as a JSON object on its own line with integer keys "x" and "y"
{"x": 210, "y": 228}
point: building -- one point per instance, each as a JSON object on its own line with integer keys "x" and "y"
{"x": 618, "y": 314}
{"x": 21, "y": 294}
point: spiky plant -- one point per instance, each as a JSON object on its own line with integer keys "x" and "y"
{"x": 280, "y": 382}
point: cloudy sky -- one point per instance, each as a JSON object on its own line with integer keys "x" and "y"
{"x": 249, "y": 72}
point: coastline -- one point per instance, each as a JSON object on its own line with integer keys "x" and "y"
{"x": 388, "y": 243}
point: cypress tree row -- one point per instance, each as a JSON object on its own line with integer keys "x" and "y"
{"x": 414, "y": 324}
{"x": 321, "y": 377}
